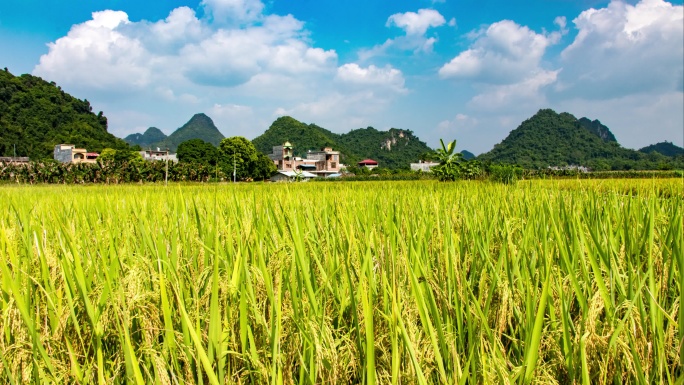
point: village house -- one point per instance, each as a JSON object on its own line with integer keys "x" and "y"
{"x": 292, "y": 176}
{"x": 68, "y": 153}
{"x": 151, "y": 155}
{"x": 423, "y": 166}
{"x": 319, "y": 163}
{"x": 368, "y": 163}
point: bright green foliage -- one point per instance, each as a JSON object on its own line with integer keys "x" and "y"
{"x": 197, "y": 151}
{"x": 36, "y": 115}
{"x": 239, "y": 154}
{"x": 539, "y": 282}
{"x": 449, "y": 168}
{"x": 120, "y": 157}
{"x": 263, "y": 168}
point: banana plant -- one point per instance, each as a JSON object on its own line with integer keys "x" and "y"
{"x": 449, "y": 168}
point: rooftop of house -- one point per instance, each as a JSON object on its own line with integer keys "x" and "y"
{"x": 368, "y": 161}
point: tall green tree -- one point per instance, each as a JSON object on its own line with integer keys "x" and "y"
{"x": 263, "y": 168}
{"x": 239, "y": 154}
{"x": 197, "y": 151}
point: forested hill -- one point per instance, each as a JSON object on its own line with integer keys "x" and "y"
{"x": 304, "y": 137}
{"x": 200, "y": 126}
{"x": 664, "y": 148}
{"x": 36, "y": 115}
{"x": 151, "y": 136}
{"x": 552, "y": 139}
{"x": 395, "y": 148}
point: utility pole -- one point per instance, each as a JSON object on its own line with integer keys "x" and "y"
{"x": 234, "y": 174}
{"x": 166, "y": 180}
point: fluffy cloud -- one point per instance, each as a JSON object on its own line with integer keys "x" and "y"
{"x": 96, "y": 53}
{"x": 112, "y": 53}
{"x": 386, "y": 77}
{"x": 503, "y": 53}
{"x": 624, "y": 49}
{"x": 415, "y": 26}
{"x": 417, "y": 23}
{"x": 238, "y": 70}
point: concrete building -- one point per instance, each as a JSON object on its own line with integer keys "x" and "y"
{"x": 68, "y": 153}
{"x": 319, "y": 163}
{"x": 151, "y": 155}
{"x": 423, "y": 166}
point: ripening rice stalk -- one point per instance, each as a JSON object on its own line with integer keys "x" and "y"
{"x": 375, "y": 282}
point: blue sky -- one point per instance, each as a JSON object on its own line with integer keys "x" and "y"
{"x": 466, "y": 70}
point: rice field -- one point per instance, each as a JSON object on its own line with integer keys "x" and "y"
{"x": 544, "y": 282}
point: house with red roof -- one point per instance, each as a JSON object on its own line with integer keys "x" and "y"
{"x": 368, "y": 163}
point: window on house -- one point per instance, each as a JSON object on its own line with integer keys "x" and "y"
{"x": 333, "y": 165}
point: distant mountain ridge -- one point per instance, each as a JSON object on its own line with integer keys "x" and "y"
{"x": 151, "y": 136}
{"x": 663, "y": 148}
{"x": 559, "y": 139}
{"x": 200, "y": 126}
{"x": 395, "y": 148}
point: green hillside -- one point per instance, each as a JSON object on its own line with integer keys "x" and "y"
{"x": 395, "y": 148}
{"x": 151, "y": 136}
{"x": 664, "y": 148}
{"x": 36, "y": 115}
{"x": 303, "y": 136}
{"x": 552, "y": 139}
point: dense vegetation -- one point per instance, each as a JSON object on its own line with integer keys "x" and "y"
{"x": 392, "y": 149}
{"x": 112, "y": 171}
{"x": 200, "y": 126}
{"x": 198, "y": 162}
{"x": 36, "y": 115}
{"x": 552, "y": 139}
{"x": 197, "y": 151}
{"x": 543, "y": 282}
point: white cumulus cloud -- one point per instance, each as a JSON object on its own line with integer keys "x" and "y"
{"x": 98, "y": 54}
{"x": 625, "y": 49}
{"x": 503, "y": 53}
{"x": 415, "y": 38}
{"x": 388, "y": 77}
{"x": 417, "y": 23}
